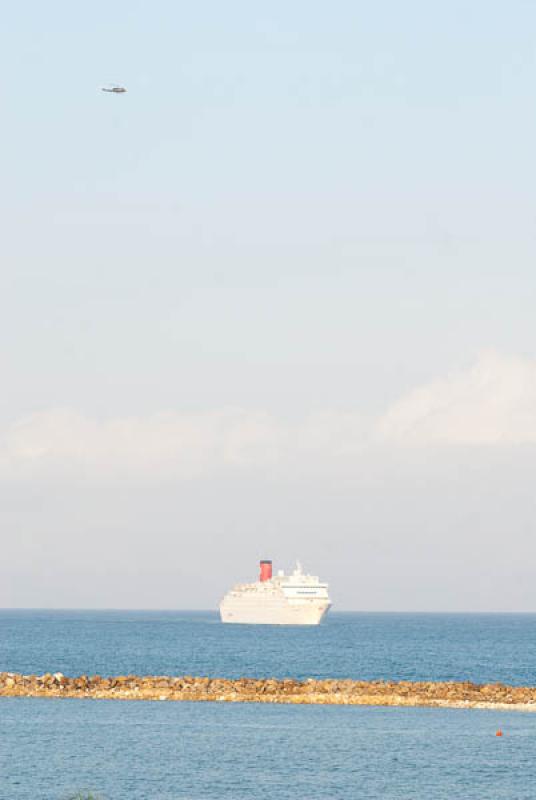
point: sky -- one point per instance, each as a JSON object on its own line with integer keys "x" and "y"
{"x": 276, "y": 301}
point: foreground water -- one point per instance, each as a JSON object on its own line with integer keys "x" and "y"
{"x": 480, "y": 647}
{"x": 163, "y": 751}
{"x": 203, "y": 751}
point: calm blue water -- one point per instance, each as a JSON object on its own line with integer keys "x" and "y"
{"x": 478, "y": 647}
{"x": 208, "y": 751}
{"x": 159, "y": 751}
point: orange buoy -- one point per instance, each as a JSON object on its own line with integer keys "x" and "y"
{"x": 499, "y": 733}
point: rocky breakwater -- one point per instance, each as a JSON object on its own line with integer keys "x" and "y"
{"x": 251, "y": 690}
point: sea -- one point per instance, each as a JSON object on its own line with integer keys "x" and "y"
{"x": 55, "y": 749}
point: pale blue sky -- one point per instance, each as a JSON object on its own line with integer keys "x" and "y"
{"x": 297, "y": 208}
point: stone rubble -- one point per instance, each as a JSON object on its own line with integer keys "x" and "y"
{"x": 252, "y": 690}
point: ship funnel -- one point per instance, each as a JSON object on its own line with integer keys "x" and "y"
{"x": 266, "y": 570}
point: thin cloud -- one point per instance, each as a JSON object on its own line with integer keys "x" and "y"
{"x": 174, "y": 444}
{"x": 491, "y": 403}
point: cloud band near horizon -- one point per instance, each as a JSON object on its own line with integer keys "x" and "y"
{"x": 491, "y": 403}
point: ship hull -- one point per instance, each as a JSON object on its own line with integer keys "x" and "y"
{"x": 246, "y": 611}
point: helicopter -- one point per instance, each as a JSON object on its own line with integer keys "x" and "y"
{"x": 114, "y": 89}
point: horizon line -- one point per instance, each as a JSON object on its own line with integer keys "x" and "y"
{"x": 215, "y": 611}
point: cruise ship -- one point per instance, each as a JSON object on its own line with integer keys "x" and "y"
{"x": 295, "y": 599}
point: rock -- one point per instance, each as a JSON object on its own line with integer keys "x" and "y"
{"x": 341, "y": 692}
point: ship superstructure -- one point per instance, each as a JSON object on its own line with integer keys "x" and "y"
{"x": 295, "y": 599}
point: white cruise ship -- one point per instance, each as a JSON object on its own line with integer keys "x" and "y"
{"x": 295, "y": 599}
